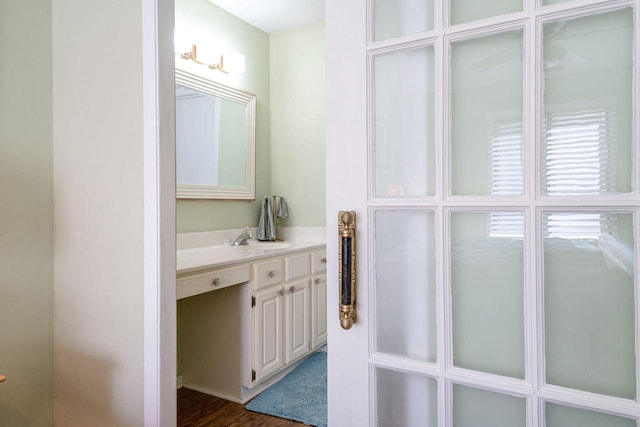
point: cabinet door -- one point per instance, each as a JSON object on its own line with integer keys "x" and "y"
{"x": 267, "y": 332}
{"x": 318, "y": 310}
{"x": 297, "y": 319}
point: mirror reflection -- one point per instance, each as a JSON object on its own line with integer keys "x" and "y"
{"x": 215, "y": 140}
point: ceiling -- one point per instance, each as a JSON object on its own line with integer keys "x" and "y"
{"x": 272, "y": 16}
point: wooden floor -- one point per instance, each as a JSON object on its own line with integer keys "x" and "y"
{"x": 200, "y": 410}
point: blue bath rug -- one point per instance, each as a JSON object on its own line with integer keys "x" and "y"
{"x": 300, "y": 396}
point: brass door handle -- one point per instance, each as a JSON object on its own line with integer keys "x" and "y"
{"x": 347, "y": 268}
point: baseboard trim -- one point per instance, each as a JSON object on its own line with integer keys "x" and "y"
{"x": 213, "y": 393}
{"x": 246, "y": 393}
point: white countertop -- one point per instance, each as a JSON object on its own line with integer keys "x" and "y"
{"x": 206, "y": 257}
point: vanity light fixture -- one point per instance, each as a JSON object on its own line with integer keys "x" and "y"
{"x": 235, "y": 62}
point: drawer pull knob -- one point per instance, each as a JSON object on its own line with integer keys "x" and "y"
{"x": 324, "y": 260}
{"x": 292, "y": 289}
{"x": 316, "y": 281}
{"x": 216, "y": 282}
{"x": 281, "y": 292}
{"x": 271, "y": 274}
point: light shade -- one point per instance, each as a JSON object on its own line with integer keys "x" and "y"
{"x": 234, "y": 63}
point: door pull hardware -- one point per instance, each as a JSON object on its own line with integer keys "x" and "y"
{"x": 347, "y": 268}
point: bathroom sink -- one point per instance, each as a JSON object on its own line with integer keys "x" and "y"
{"x": 269, "y": 245}
{"x": 258, "y": 248}
{"x": 206, "y": 256}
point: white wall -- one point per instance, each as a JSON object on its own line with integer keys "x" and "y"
{"x": 26, "y": 230}
{"x": 98, "y": 213}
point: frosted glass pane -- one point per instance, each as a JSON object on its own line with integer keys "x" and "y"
{"x": 396, "y": 18}
{"x": 402, "y": 399}
{"x": 475, "y": 408}
{"x": 563, "y": 416}
{"x": 472, "y": 10}
{"x": 589, "y": 301}
{"x": 487, "y": 292}
{"x": 486, "y": 115}
{"x": 404, "y": 123}
{"x": 405, "y": 284}
{"x": 587, "y": 142}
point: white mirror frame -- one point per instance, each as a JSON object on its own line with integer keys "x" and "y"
{"x": 248, "y": 192}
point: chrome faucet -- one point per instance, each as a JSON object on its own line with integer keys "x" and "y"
{"x": 241, "y": 240}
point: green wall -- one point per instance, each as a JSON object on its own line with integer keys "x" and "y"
{"x": 286, "y": 72}
{"x": 212, "y": 28}
{"x": 297, "y": 123}
{"x": 26, "y": 211}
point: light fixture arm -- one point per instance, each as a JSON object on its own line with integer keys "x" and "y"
{"x": 219, "y": 66}
{"x": 193, "y": 56}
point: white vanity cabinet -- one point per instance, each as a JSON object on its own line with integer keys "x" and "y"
{"x": 245, "y": 325}
{"x": 297, "y": 319}
{"x": 318, "y": 298}
{"x": 266, "y": 304}
{"x": 267, "y": 333}
{"x": 282, "y": 313}
{"x": 217, "y": 279}
{"x": 319, "y": 310}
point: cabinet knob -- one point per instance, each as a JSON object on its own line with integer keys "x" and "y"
{"x": 281, "y": 292}
{"x": 216, "y": 282}
{"x": 317, "y": 281}
{"x": 270, "y": 274}
{"x": 324, "y": 260}
{"x": 292, "y": 289}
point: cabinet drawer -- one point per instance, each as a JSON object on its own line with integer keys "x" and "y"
{"x": 318, "y": 262}
{"x": 296, "y": 266}
{"x": 266, "y": 274}
{"x": 211, "y": 281}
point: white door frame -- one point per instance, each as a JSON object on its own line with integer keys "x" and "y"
{"x": 159, "y": 213}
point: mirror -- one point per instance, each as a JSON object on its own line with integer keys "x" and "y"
{"x": 215, "y": 140}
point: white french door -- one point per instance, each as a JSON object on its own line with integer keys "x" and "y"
{"x": 490, "y": 151}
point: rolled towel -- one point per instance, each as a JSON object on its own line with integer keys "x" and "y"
{"x": 266, "y": 225}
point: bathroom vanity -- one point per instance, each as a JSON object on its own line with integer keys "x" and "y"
{"x": 248, "y": 314}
